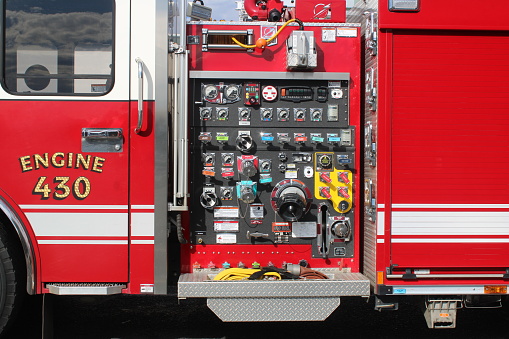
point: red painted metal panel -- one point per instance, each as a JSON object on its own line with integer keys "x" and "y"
{"x": 42, "y": 146}
{"x": 452, "y": 14}
{"x": 449, "y": 146}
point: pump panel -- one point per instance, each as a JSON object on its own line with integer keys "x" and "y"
{"x": 272, "y": 163}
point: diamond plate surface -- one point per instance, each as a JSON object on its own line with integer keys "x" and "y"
{"x": 272, "y": 309}
{"x": 199, "y": 285}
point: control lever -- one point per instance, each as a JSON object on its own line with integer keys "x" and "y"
{"x": 250, "y": 235}
{"x": 323, "y": 238}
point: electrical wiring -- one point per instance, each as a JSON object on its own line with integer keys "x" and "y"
{"x": 261, "y": 43}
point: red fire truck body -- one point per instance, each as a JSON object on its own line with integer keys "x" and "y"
{"x": 433, "y": 225}
{"x": 139, "y": 147}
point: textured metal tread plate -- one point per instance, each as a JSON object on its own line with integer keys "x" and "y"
{"x": 200, "y": 285}
{"x": 272, "y": 309}
{"x": 84, "y": 289}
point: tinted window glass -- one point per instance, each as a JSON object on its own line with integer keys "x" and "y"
{"x": 58, "y": 46}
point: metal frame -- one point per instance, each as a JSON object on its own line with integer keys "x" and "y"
{"x": 161, "y": 149}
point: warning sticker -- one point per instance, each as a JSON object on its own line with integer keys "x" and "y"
{"x": 226, "y": 212}
{"x": 226, "y": 226}
{"x": 347, "y": 32}
{"x": 267, "y": 32}
{"x": 226, "y": 238}
{"x": 328, "y": 35}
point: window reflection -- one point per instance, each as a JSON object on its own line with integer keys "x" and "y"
{"x": 58, "y": 47}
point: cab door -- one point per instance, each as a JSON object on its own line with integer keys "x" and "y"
{"x": 64, "y": 121}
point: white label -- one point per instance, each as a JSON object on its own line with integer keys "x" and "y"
{"x": 230, "y": 226}
{"x": 226, "y": 212}
{"x": 328, "y": 35}
{"x": 244, "y": 123}
{"x": 226, "y": 238}
{"x": 291, "y": 175}
{"x": 347, "y": 32}
{"x": 256, "y": 211}
{"x": 146, "y": 288}
{"x": 305, "y": 229}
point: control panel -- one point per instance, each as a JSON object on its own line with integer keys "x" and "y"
{"x": 272, "y": 162}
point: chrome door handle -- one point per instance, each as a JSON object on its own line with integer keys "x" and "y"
{"x": 140, "y": 96}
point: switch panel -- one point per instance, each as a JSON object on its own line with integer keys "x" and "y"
{"x": 272, "y": 161}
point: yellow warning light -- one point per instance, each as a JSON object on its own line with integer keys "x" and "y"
{"x": 495, "y": 289}
{"x": 380, "y": 277}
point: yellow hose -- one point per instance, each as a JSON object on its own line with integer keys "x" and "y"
{"x": 241, "y": 274}
{"x": 269, "y": 39}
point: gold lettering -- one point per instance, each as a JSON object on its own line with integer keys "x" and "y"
{"x": 81, "y": 159}
{"x": 98, "y": 164}
{"x": 25, "y": 163}
{"x": 61, "y": 162}
{"x": 69, "y": 160}
{"x": 38, "y": 159}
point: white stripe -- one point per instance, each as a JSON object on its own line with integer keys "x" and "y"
{"x": 380, "y": 241}
{"x": 75, "y": 207}
{"x": 381, "y": 205}
{"x": 452, "y": 241}
{"x": 142, "y": 224}
{"x": 79, "y": 224}
{"x": 380, "y": 220}
{"x": 450, "y": 223}
{"x": 142, "y": 242}
{"x": 82, "y": 242}
{"x": 450, "y": 206}
{"x": 143, "y": 207}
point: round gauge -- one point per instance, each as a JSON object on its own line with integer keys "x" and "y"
{"x": 205, "y": 113}
{"x": 266, "y": 114}
{"x": 269, "y": 93}
{"x": 336, "y": 93}
{"x": 325, "y": 161}
{"x": 317, "y": 115}
{"x": 244, "y": 113}
{"x": 300, "y": 114}
{"x": 283, "y": 114}
{"x": 222, "y": 114}
{"x": 210, "y": 92}
{"x": 227, "y": 159}
{"x": 231, "y": 92}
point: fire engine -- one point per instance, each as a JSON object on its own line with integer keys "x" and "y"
{"x": 269, "y": 166}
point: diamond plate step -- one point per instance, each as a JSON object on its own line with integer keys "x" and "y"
{"x": 85, "y": 288}
{"x": 201, "y": 285}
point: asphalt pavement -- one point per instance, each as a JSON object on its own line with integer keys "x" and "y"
{"x": 148, "y": 317}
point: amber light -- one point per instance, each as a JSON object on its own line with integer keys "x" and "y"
{"x": 379, "y": 278}
{"x": 495, "y": 289}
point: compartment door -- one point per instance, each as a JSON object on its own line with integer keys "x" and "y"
{"x": 450, "y": 147}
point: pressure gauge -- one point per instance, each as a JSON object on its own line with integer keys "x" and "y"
{"x": 210, "y": 92}
{"x": 222, "y": 113}
{"x": 231, "y": 93}
{"x": 283, "y": 114}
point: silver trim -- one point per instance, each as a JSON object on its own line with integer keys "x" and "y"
{"x": 259, "y": 23}
{"x": 332, "y": 76}
{"x": 161, "y": 148}
{"x": 447, "y": 276}
{"x": 85, "y": 289}
{"x": 439, "y": 290}
{"x": 140, "y": 96}
{"x": 28, "y": 248}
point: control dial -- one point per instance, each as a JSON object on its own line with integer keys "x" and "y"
{"x": 208, "y": 199}
{"x": 291, "y": 199}
{"x": 244, "y": 142}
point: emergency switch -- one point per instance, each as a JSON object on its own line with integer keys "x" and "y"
{"x": 325, "y": 177}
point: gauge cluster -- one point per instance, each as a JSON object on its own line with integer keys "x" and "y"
{"x": 273, "y": 163}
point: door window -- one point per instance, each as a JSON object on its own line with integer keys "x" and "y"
{"x": 58, "y": 47}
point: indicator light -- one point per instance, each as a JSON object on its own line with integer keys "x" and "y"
{"x": 255, "y": 265}
{"x": 495, "y": 289}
